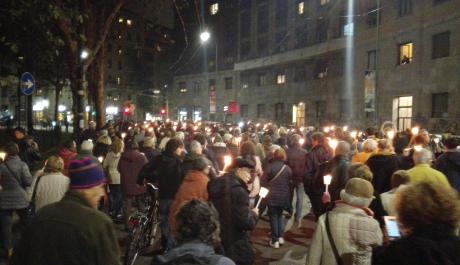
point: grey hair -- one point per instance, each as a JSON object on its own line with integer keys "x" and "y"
{"x": 195, "y": 146}
{"x": 180, "y": 136}
{"x": 369, "y": 145}
{"x": 343, "y": 148}
{"x": 422, "y": 156}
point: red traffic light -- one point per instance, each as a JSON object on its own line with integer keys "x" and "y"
{"x": 163, "y": 111}
{"x": 127, "y": 110}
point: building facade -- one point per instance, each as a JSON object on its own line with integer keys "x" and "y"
{"x": 319, "y": 61}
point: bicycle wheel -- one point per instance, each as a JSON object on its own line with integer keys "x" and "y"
{"x": 133, "y": 244}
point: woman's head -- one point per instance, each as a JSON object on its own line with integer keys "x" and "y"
{"x": 358, "y": 192}
{"x": 11, "y": 149}
{"x": 427, "y": 204}
{"x": 369, "y": 146}
{"x": 198, "y": 220}
{"x": 361, "y": 171}
{"x": 117, "y": 145}
{"x": 248, "y": 149}
{"x": 279, "y": 155}
{"x": 54, "y": 164}
{"x": 399, "y": 177}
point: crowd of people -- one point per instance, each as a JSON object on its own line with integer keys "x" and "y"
{"x": 211, "y": 179}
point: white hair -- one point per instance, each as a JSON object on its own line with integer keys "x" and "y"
{"x": 422, "y": 156}
{"x": 343, "y": 148}
{"x": 369, "y": 145}
{"x": 180, "y": 136}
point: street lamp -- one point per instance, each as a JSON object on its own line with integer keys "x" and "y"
{"x": 84, "y": 54}
{"x": 204, "y": 37}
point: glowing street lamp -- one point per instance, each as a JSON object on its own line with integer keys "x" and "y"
{"x": 205, "y": 36}
{"x": 84, "y": 54}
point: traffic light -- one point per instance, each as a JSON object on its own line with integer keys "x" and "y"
{"x": 127, "y": 111}
{"x": 163, "y": 111}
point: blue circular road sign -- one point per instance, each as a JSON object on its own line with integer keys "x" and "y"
{"x": 27, "y": 83}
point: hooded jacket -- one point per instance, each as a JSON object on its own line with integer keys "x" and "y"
{"x": 449, "y": 164}
{"x": 195, "y": 249}
{"x": 230, "y": 196}
{"x": 129, "y": 166}
{"x": 297, "y": 161}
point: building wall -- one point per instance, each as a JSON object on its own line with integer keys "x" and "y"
{"x": 301, "y": 46}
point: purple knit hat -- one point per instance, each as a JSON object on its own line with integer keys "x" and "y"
{"x": 85, "y": 173}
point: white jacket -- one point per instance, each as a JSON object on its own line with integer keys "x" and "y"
{"x": 110, "y": 165}
{"x": 354, "y": 234}
{"x": 51, "y": 188}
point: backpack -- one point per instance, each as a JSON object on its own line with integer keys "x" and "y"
{"x": 190, "y": 259}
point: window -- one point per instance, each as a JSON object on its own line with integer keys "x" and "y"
{"x": 260, "y": 110}
{"x": 262, "y": 19}
{"x": 441, "y": 45}
{"x": 320, "y": 71}
{"x": 300, "y": 8}
{"x": 371, "y": 59}
{"x": 262, "y": 46}
{"x": 405, "y": 53}
{"x": 402, "y": 112}
{"x": 404, "y": 7}
{"x": 212, "y": 84}
{"x": 228, "y": 82}
{"x": 129, "y": 22}
{"x": 245, "y": 48}
{"x": 324, "y": 2}
{"x": 439, "y": 105}
{"x": 279, "y": 111}
{"x": 118, "y": 80}
{"x": 372, "y": 16}
{"x": 120, "y": 51}
{"x": 182, "y": 87}
{"x": 321, "y": 29}
{"x": 281, "y": 78}
{"x": 299, "y": 75}
{"x": 261, "y": 79}
{"x": 244, "y": 111}
{"x": 214, "y": 9}
{"x": 120, "y": 20}
{"x": 244, "y": 81}
{"x": 119, "y": 65}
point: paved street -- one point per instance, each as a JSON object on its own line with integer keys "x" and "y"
{"x": 293, "y": 252}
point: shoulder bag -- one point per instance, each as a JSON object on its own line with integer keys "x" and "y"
{"x": 331, "y": 240}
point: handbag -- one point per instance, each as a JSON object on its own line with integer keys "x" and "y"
{"x": 30, "y": 210}
{"x": 331, "y": 240}
{"x": 278, "y": 174}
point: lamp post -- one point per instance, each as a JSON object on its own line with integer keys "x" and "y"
{"x": 205, "y": 36}
{"x": 81, "y": 92}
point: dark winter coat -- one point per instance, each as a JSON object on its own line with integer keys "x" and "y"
{"x": 436, "y": 245}
{"x": 230, "y": 196}
{"x": 150, "y": 153}
{"x": 220, "y": 152}
{"x": 318, "y": 155}
{"x": 68, "y": 232}
{"x": 449, "y": 164}
{"x": 382, "y": 165}
{"x": 279, "y": 191}
{"x": 188, "y": 164}
{"x": 297, "y": 161}
{"x": 129, "y": 166}
{"x": 338, "y": 168}
{"x": 12, "y": 192}
{"x": 29, "y": 154}
{"x": 166, "y": 170}
{"x": 189, "y": 252}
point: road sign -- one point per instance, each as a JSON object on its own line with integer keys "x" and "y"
{"x": 27, "y": 83}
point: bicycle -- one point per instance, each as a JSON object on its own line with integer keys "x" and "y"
{"x": 144, "y": 224}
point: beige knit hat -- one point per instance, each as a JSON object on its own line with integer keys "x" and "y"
{"x": 358, "y": 192}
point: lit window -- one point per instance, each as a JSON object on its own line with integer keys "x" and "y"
{"x": 129, "y": 22}
{"x": 119, "y": 51}
{"x": 301, "y": 8}
{"x": 182, "y": 87}
{"x": 281, "y": 79}
{"x": 118, "y": 80}
{"x": 214, "y": 8}
{"x": 324, "y": 2}
{"x": 120, "y": 20}
{"x": 156, "y": 91}
{"x": 119, "y": 37}
{"x": 405, "y": 53}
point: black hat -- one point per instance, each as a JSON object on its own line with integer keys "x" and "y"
{"x": 241, "y": 162}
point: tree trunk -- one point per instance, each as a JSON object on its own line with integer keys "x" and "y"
{"x": 98, "y": 88}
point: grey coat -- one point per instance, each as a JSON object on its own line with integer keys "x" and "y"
{"x": 12, "y": 192}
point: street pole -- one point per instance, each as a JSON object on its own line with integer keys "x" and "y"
{"x": 377, "y": 53}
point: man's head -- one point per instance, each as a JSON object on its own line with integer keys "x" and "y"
{"x": 317, "y": 138}
{"x": 174, "y": 147}
{"x": 200, "y": 164}
{"x": 198, "y": 220}
{"x": 422, "y": 156}
{"x": 196, "y": 148}
{"x": 54, "y": 164}
{"x": 451, "y": 143}
{"x": 343, "y": 148}
{"x": 19, "y": 133}
{"x": 87, "y": 145}
{"x": 87, "y": 178}
{"x": 11, "y": 149}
